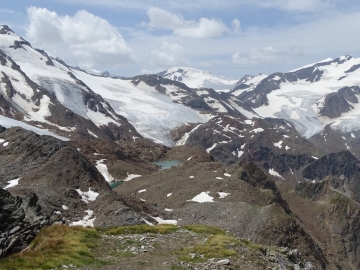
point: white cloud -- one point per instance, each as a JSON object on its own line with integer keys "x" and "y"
{"x": 266, "y": 56}
{"x": 295, "y": 5}
{"x": 287, "y": 5}
{"x": 89, "y": 37}
{"x": 236, "y": 24}
{"x": 204, "y": 28}
{"x": 170, "y": 54}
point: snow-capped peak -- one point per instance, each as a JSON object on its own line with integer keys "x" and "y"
{"x": 196, "y": 78}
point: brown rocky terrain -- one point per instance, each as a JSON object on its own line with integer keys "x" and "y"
{"x": 66, "y": 183}
{"x": 251, "y": 208}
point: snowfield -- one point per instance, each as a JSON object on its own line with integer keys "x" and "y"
{"x": 300, "y": 102}
{"x": 195, "y": 78}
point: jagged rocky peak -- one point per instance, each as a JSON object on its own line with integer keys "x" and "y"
{"x": 245, "y": 79}
{"x": 5, "y": 30}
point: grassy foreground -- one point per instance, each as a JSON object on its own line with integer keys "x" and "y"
{"x": 54, "y": 246}
{"x": 59, "y": 245}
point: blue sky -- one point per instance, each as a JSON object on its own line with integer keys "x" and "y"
{"x": 229, "y": 38}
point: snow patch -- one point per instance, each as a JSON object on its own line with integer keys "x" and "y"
{"x": 141, "y": 191}
{"x": 87, "y": 196}
{"x": 257, "y": 130}
{"x": 222, "y": 195}
{"x": 202, "y": 197}
{"x": 278, "y": 144}
{"x": 228, "y": 175}
{"x": 12, "y": 183}
{"x": 211, "y": 148}
{"x": 130, "y": 177}
{"x": 184, "y": 138}
{"x": 161, "y": 221}
{"x": 92, "y": 133}
{"x": 86, "y": 221}
{"x": 65, "y": 207}
{"x": 169, "y": 194}
{"x": 102, "y": 168}
{"x": 249, "y": 122}
{"x": 275, "y": 173}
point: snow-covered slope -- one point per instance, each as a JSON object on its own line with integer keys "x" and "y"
{"x": 37, "y": 88}
{"x": 305, "y": 96}
{"x": 152, "y": 113}
{"x": 196, "y": 78}
{"x": 247, "y": 83}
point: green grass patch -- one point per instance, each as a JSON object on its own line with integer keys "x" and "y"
{"x": 125, "y": 254}
{"x": 203, "y": 229}
{"x": 141, "y": 229}
{"x": 55, "y": 246}
{"x": 217, "y": 246}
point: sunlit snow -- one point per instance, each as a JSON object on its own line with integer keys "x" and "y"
{"x": 86, "y": 221}
{"x": 12, "y": 183}
{"x": 87, "y": 196}
{"x": 202, "y": 197}
{"x": 8, "y": 123}
{"x": 275, "y": 173}
{"x": 130, "y": 177}
{"x": 162, "y": 221}
{"x": 102, "y": 168}
{"x": 222, "y": 195}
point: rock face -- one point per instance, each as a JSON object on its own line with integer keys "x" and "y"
{"x": 66, "y": 183}
{"x": 334, "y": 220}
{"x": 335, "y": 104}
{"x": 20, "y": 221}
{"x": 271, "y": 144}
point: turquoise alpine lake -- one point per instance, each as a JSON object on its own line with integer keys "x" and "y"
{"x": 115, "y": 184}
{"x": 167, "y": 164}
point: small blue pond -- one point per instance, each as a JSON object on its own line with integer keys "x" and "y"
{"x": 115, "y": 184}
{"x": 167, "y": 164}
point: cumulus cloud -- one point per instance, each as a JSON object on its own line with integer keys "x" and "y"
{"x": 287, "y": 5}
{"x": 266, "y": 56}
{"x": 295, "y": 5}
{"x": 169, "y": 54}
{"x": 204, "y": 28}
{"x": 90, "y": 38}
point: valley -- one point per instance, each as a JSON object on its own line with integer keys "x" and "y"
{"x": 269, "y": 160}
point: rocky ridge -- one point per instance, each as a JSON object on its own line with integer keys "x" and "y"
{"x": 20, "y": 221}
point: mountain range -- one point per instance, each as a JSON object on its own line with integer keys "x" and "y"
{"x": 272, "y": 158}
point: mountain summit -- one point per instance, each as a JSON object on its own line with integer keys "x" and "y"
{"x": 196, "y": 78}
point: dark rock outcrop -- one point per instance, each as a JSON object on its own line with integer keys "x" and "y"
{"x": 337, "y": 103}
{"x": 20, "y": 221}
